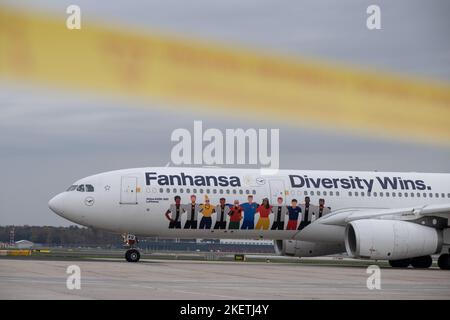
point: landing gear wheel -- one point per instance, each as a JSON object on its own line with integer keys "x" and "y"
{"x": 132, "y": 255}
{"x": 444, "y": 261}
{"x": 404, "y": 263}
{"x": 422, "y": 262}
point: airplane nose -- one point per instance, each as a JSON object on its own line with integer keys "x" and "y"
{"x": 56, "y": 204}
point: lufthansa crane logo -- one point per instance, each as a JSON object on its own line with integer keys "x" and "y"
{"x": 260, "y": 181}
{"x": 89, "y": 201}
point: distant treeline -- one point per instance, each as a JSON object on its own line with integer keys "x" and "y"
{"x": 75, "y": 236}
{"x": 61, "y": 236}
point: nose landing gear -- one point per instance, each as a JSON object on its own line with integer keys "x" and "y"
{"x": 132, "y": 254}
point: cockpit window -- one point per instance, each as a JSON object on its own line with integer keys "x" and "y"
{"x": 89, "y": 188}
{"x": 80, "y": 188}
{"x": 71, "y": 188}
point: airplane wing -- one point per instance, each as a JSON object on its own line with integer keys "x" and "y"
{"x": 331, "y": 227}
{"x": 441, "y": 213}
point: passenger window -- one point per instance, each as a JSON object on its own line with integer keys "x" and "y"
{"x": 393, "y": 194}
{"x": 337, "y": 193}
{"x": 324, "y": 193}
{"x": 161, "y": 190}
{"x": 214, "y": 191}
{"x": 194, "y": 191}
{"x": 412, "y": 194}
{"x": 234, "y": 191}
{"x": 331, "y": 193}
{"x": 80, "y": 188}
{"x": 254, "y": 191}
{"x": 418, "y": 194}
{"x": 311, "y": 193}
{"x": 399, "y": 194}
{"x": 305, "y": 193}
{"x": 228, "y": 191}
{"x": 318, "y": 193}
{"x": 406, "y": 194}
{"x": 387, "y": 194}
{"x": 448, "y": 195}
{"x": 356, "y": 194}
{"x": 430, "y": 195}
{"x": 442, "y": 195}
{"x": 201, "y": 190}
{"x": 362, "y": 194}
{"x": 208, "y": 191}
{"x": 181, "y": 190}
{"x": 247, "y": 191}
{"x": 350, "y": 193}
{"x": 424, "y": 195}
{"x": 241, "y": 191}
{"x": 168, "y": 190}
{"x": 174, "y": 190}
{"x": 89, "y": 188}
{"x": 436, "y": 195}
{"x": 369, "y": 194}
{"x": 374, "y": 194}
{"x": 188, "y": 190}
{"x": 221, "y": 191}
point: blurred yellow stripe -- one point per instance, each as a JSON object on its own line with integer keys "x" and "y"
{"x": 234, "y": 82}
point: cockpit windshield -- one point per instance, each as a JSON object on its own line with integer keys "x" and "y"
{"x": 81, "y": 188}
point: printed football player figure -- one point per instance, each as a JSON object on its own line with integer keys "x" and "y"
{"x": 279, "y": 212}
{"x": 249, "y": 213}
{"x": 264, "y": 210}
{"x": 174, "y": 214}
{"x": 307, "y": 211}
{"x": 192, "y": 210}
{"x": 322, "y": 210}
{"x": 235, "y": 215}
{"x": 293, "y": 211}
{"x": 222, "y": 211}
{"x": 206, "y": 210}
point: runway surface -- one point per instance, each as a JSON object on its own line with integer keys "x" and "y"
{"x": 163, "y": 279}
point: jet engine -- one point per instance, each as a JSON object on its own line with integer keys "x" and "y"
{"x": 297, "y": 248}
{"x": 390, "y": 239}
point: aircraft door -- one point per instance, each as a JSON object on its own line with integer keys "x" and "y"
{"x": 128, "y": 191}
{"x": 277, "y": 189}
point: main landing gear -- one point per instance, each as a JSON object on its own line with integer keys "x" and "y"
{"x": 423, "y": 262}
{"x": 444, "y": 261}
{"x": 132, "y": 254}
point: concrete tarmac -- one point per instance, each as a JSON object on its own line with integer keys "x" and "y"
{"x": 164, "y": 279}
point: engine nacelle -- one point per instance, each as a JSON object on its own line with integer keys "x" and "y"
{"x": 390, "y": 239}
{"x": 297, "y": 248}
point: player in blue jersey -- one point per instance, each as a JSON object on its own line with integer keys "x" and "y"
{"x": 249, "y": 213}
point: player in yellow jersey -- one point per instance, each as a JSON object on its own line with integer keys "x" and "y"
{"x": 206, "y": 209}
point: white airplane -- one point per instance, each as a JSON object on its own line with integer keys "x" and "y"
{"x": 400, "y": 217}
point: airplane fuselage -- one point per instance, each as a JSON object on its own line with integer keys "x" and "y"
{"x": 142, "y": 201}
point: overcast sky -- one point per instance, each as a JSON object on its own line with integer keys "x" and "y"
{"x": 49, "y": 139}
